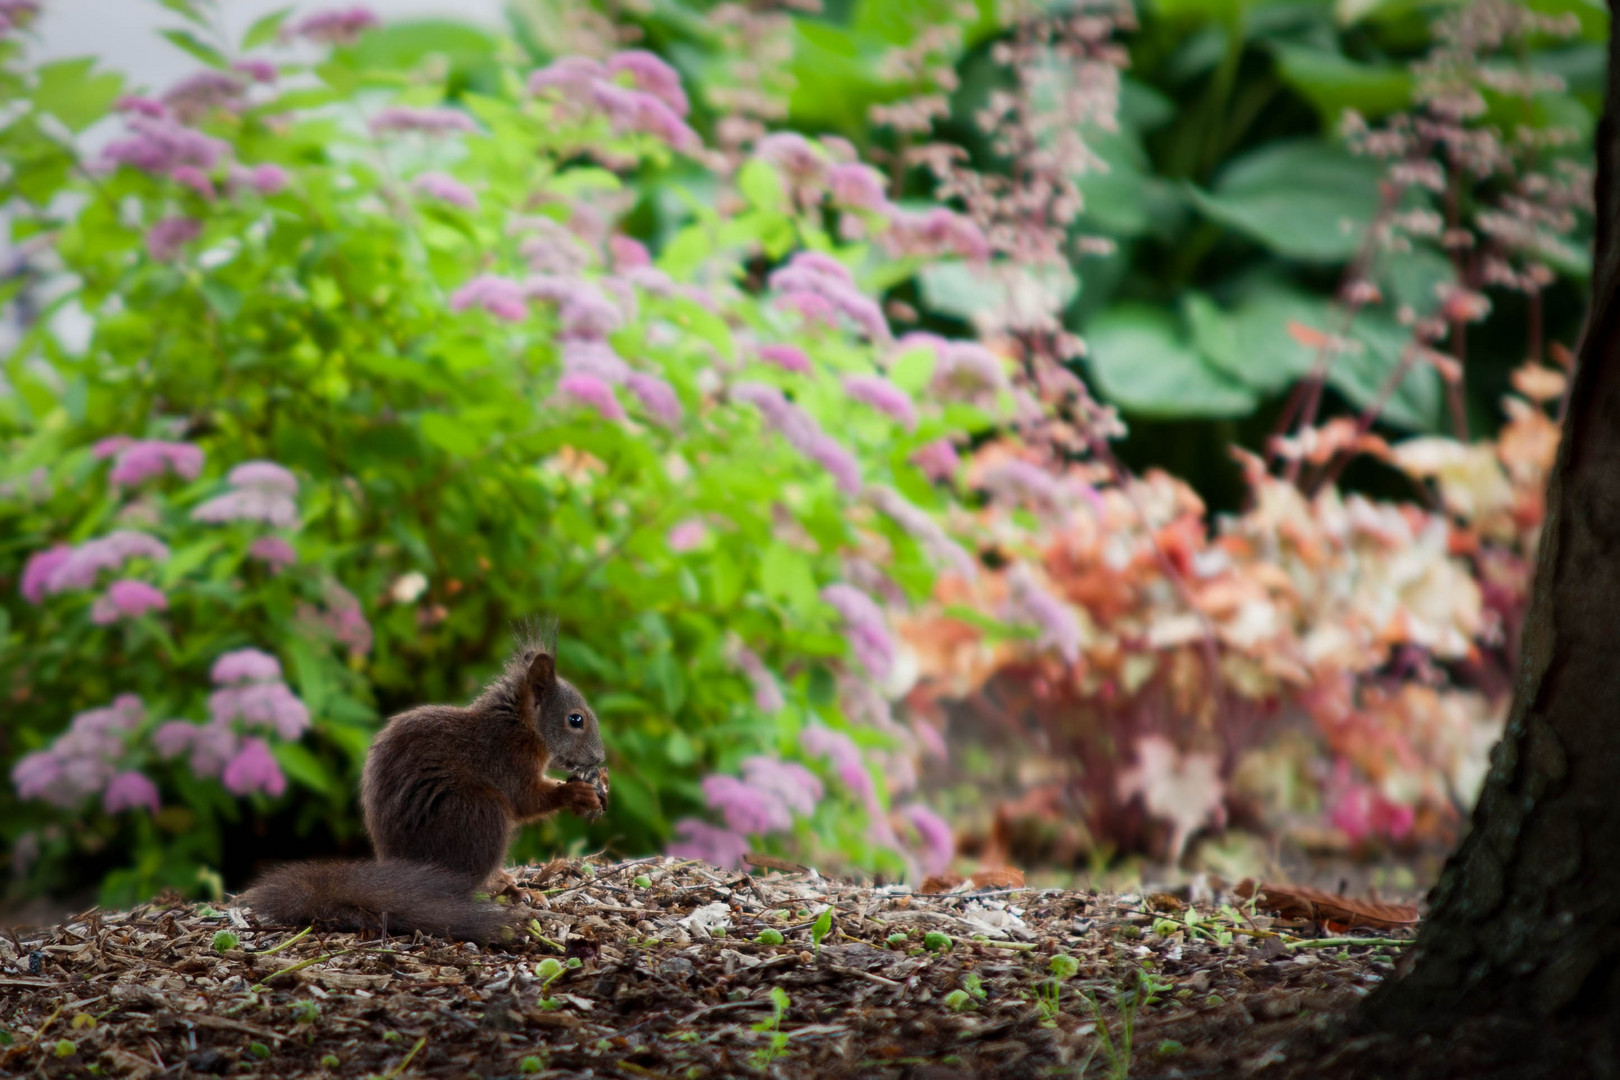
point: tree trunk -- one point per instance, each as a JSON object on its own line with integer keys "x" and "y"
{"x": 1517, "y": 968}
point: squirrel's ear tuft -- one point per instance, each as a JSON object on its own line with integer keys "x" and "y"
{"x": 542, "y": 676}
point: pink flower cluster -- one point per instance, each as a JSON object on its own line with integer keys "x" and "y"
{"x": 938, "y": 843}
{"x": 86, "y": 759}
{"x": 159, "y": 144}
{"x": 964, "y": 371}
{"x": 127, "y": 599}
{"x": 687, "y": 535}
{"x": 800, "y": 429}
{"x": 166, "y": 239}
{"x": 273, "y": 551}
{"x": 399, "y": 119}
{"x": 717, "y": 846}
{"x": 137, "y": 460}
{"x": 340, "y": 26}
{"x": 250, "y": 695}
{"x": 884, "y": 396}
{"x": 198, "y": 95}
{"x": 820, "y": 288}
{"x": 819, "y": 741}
{"x": 865, "y": 628}
{"x": 652, "y": 103}
{"x": 938, "y": 459}
{"x": 933, "y": 232}
{"x": 787, "y": 357}
{"x": 446, "y": 189}
{"x": 260, "y": 491}
{"x": 1057, "y": 622}
{"x": 65, "y": 568}
{"x": 501, "y": 297}
{"x": 767, "y": 694}
{"x": 766, "y": 797}
{"x": 925, "y": 530}
{"x": 339, "y": 619}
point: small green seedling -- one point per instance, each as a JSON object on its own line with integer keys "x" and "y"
{"x": 305, "y": 1012}
{"x": 643, "y": 881}
{"x": 392, "y": 1036}
{"x": 548, "y": 970}
{"x": 573, "y": 963}
{"x": 897, "y": 939}
{"x": 530, "y": 1064}
{"x": 225, "y": 940}
{"x": 934, "y": 941}
{"x": 259, "y": 1050}
{"x": 777, "y": 1046}
{"x": 65, "y": 1048}
{"x": 974, "y": 986}
{"x": 958, "y": 1001}
{"x": 822, "y": 927}
{"x": 330, "y": 1061}
{"x": 1064, "y": 966}
{"x": 770, "y": 937}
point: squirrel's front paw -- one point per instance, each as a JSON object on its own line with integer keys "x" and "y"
{"x": 580, "y": 797}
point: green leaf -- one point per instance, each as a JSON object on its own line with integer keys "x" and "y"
{"x": 226, "y": 301}
{"x": 1334, "y": 83}
{"x": 264, "y": 29}
{"x": 454, "y": 436}
{"x": 1301, "y": 199}
{"x": 1139, "y": 361}
{"x": 1251, "y": 343}
{"x": 197, "y": 47}
{"x": 822, "y": 926}
{"x": 964, "y": 289}
{"x": 785, "y": 574}
{"x": 68, "y": 91}
{"x": 304, "y": 767}
{"x": 760, "y": 184}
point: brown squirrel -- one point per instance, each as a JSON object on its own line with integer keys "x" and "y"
{"x": 443, "y": 789}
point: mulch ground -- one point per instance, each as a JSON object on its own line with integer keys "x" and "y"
{"x": 672, "y": 969}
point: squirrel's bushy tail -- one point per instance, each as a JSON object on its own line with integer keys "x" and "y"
{"x": 386, "y": 896}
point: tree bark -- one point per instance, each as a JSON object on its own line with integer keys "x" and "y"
{"x": 1517, "y": 968}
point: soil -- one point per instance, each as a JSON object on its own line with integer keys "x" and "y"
{"x": 661, "y": 968}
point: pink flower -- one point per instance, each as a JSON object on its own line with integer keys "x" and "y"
{"x": 126, "y": 599}
{"x": 212, "y": 746}
{"x": 571, "y": 76}
{"x": 266, "y": 179}
{"x": 141, "y": 106}
{"x": 686, "y": 536}
{"x": 135, "y": 462}
{"x": 786, "y": 357}
{"x": 173, "y": 738}
{"x": 840, "y": 749}
{"x": 745, "y": 808}
{"x": 767, "y": 694}
{"x": 651, "y": 75}
{"x": 582, "y": 356}
{"x": 858, "y": 187}
{"x": 1020, "y": 483}
{"x": 882, "y": 395}
{"x": 197, "y": 95}
{"x": 269, "y": 705}
{"x": 341, "y": 26}
{"x": 38, "y": 570}
{"x": 936, "y": 232}
{"x": 260, "y": 71}
{"x": 194, "y": 178}
{"x": 816, "y": 274}
{"x": 166, "y": 239}
{"x": 403, "y": 118}
{"x": 446, "y": 188}
{"x": 802, "y": 165}
{"x": 248, "y": 504}
{"x": 129, "y": 790}
{"x": 84, "y": 563}
{"x": 939, "y": 845}
{"x": 657, "y": 397}
{"x": 967, "y": 371}
{"x": 1060, "y": 628}
{"x": 633, "y": 111}
{"x": 591, "y": 391}
{"x": 245, "y": 665}
{"x": 628, "y": 253}
{"x": 864, "y": 627}
{"x": 273, "y": 551}
{"x": 925, "y": 530}
{"x": 697, "y": 839}
{"x": 1362, "y": 811}
{"x": 40, "y": 775}
{"x": 501, "y": 297}
{"x": 802, "y": 432}
{"x": 160, "y": 144}
{"x": 264, "y": 476}
{"x": 792, "y": 785}
{"x": 109, "y": 447}
{"x": 938, "y": 460}
{"x": 254, "y": 769}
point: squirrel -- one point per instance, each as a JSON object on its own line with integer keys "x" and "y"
{"x": 442, "y": 790}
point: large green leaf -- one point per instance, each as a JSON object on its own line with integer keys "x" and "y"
{"x": 1139, "y": 360}
{"x": 1334, "y": 83}
{"x": 70, "y": 92}
{"x": 1301, "y": 199}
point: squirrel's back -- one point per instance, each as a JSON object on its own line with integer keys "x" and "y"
{"x": 387, "y": 896}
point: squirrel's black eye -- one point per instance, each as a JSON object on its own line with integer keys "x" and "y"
{"x": 576, "y": 720}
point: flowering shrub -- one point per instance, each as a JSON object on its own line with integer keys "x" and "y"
{"x": 468, "y": 396}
